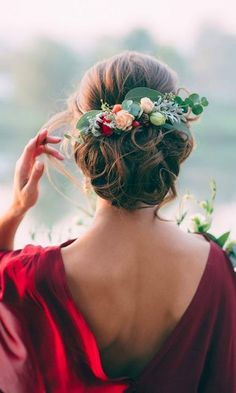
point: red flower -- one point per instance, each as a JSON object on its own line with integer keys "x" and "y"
{"x": 105, "y": 129}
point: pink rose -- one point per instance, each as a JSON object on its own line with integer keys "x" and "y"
{"x": 124, "y": 120}
{"x": 146, "y": 104}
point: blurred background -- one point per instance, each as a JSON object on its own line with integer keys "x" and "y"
{"x": 46, "y": 46}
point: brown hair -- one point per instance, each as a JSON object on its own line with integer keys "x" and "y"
{"x": 136, "y": 167}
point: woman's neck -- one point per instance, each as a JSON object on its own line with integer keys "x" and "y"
{"x": 105, "y": 213}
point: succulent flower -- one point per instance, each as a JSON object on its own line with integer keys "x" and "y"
{"x": 157, "y": 118}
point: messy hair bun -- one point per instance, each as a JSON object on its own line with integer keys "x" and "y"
{"x": 137, "y": 167}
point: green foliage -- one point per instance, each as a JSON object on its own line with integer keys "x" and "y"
{"x": 139, "y": 92}
{"x": 223, "y": 239}
{"x": 84, "y": 122}
{"x": 177, "y": 126}
{"x": 202, "y": 223}
{"x": 133, "y": 108}
{"x": 194, "y": 102}
{"x": 126, "y": 104}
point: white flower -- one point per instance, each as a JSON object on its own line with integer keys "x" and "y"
{"x": 146, "y": 104}
{"x": 124, "y": 120}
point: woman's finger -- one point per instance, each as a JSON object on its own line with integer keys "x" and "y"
{"x": 41, "y": 137}
{"x": 52, "y": 139}
{"x": 53, "y": 152}
{"x": 37, "y": 146}
{"x": 30, "y": 150}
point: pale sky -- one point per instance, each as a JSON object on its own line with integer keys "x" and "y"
{"x": 81, "y": 22}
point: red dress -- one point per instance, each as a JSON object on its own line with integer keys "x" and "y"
{"x": 46, "y": 345}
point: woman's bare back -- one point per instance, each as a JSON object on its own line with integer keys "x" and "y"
{"x": 133, "y": 288}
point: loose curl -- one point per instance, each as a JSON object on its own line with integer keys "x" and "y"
{"x": 137, "y": 167}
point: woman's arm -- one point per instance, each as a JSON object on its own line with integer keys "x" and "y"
{"x": 28, "y": 172}
{"x": 9, "y": 223}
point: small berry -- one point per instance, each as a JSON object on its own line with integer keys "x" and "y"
{"x": 135, "y": 123}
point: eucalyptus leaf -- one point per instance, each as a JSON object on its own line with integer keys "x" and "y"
{"x": 178, "y": 127}
{"x": 84, "y": 131}
{"x": 135, "y": 109}
{"x": 83, "y": 122}
{"x": 179, "y": 100}
{"x": 187, "y": 101}
{"x": 139, "y": 92}
{"x": 126, "y": 105}
{"x": 204, "y": 101}
{"x": 197, "y": 109}
{"x": 194, "y": 98}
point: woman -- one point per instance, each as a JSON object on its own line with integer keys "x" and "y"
{"x": 134, "y": 304}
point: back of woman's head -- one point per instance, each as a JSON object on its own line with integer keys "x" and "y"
{"x": 137, "y": 167}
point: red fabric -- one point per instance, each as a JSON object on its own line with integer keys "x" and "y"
{"x": 46, "y": 345}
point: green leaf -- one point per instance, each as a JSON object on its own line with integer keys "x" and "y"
{"x": 187, "y": 101}
{"x": 179, "y": 100}
{"x": 194, "y": 98}
{"x": 184, "y": 108}
{"x": 178, "y": 127}
{"x": 212, "y": 237}
{"x": 126, "y": 105}
{"x": 83, "y": 122}
{"x": 139, "y": 92}
{"x": 204, "y": 227}
{"x": 135, "y": 110}
{"x": 223, "y": 239}
{"x": 204, "y": 101}
{"x": 197, "y": 109}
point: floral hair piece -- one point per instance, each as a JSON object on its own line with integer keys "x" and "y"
{"x": 141, "y": 107}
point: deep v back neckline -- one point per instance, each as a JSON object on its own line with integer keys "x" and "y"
{"x": 92, "y": 350}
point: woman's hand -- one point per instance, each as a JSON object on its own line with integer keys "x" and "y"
{"x": 29, "y": 171}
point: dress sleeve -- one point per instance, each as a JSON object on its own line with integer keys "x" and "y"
{"x": 17, "y": 269}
